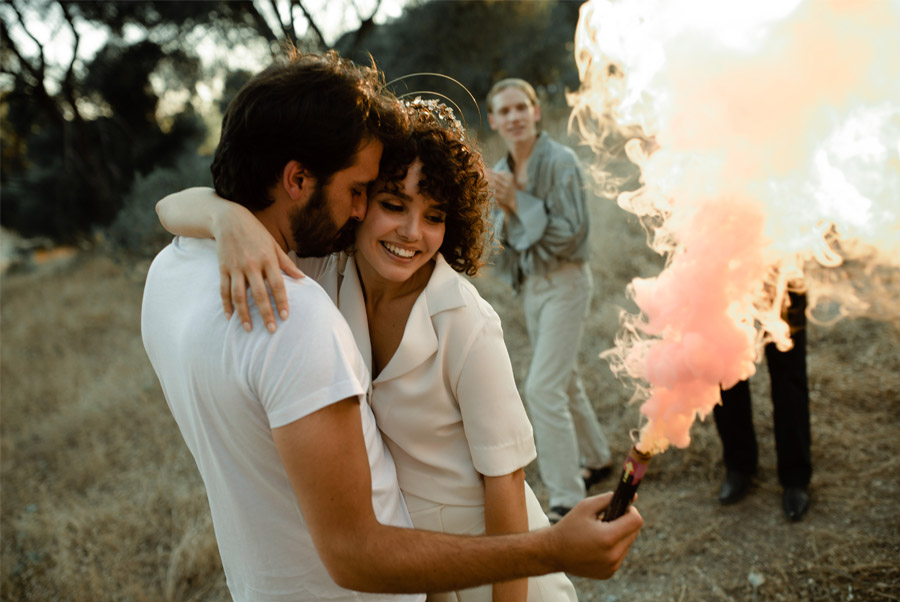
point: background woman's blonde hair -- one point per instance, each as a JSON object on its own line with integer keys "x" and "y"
{"x": 512, "y": 82}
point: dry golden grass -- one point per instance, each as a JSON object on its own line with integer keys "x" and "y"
{"x": 101, "y": 499}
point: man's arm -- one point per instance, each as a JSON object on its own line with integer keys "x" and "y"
{"x": 325, "y": 458}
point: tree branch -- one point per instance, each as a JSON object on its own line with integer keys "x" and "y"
{"x": 293, "y": 21}
{"x": 288, "y": 34}
{"x": 312, "y": 24}
{"x": 68, "y": 82}
{"x": 28, "y": 69}
{"x": 261, "y": 25}
{"x": 365, "y": 25}
{"x": 36, "y": 71}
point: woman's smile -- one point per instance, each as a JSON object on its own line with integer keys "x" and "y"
{"x": 398, "y": 251}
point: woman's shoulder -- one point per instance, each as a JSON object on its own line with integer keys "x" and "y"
{"x": 475, "y": 301}
{"x": 454, "y": 298}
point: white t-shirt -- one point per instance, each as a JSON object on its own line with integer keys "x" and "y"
{"x": 228, "y": 388}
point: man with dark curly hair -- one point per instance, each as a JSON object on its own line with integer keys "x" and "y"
{"x": 304, "y": 495}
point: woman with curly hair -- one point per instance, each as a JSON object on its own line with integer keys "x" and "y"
{"x": 443, "y": 391}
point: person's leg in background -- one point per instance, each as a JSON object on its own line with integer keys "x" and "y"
{"x": 592, "y": 443}
{"x": 551, "y": 302}
{"x": 740, "y": 454}
{"x": 790, "y": 412}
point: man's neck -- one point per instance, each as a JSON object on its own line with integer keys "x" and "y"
{"x": 269, "y": 218}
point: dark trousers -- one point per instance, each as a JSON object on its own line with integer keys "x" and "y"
{"x": 790, "y": 405}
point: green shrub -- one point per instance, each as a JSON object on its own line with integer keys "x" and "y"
{"x": 136, "y": 230}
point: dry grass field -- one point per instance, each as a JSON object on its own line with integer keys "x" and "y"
{"x": 102, "y": 501}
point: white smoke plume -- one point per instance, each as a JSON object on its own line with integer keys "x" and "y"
{"x": 768, "y": 138}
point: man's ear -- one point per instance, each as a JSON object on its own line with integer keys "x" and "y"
{"x": 298, "y": 182}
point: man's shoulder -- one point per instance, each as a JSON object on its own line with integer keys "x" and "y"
{"x": 311, "y": 309}
{"x": 183, "y": 249}
{"x": 188, "y": 269}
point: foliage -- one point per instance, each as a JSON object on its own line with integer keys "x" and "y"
{"x": 477, "y": 43}
{"x": 78, "y": 132}
{"x": 75, "y": 135}
{"x": 136, "y": 231}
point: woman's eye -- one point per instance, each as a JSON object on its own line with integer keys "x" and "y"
{"x": 393, "y": 207}
{"x": 438, "y": 218}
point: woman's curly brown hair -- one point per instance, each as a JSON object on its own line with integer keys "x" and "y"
{"x": 453, "y": 176}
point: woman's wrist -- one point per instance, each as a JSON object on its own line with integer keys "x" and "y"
{"x": 224, "y": 216}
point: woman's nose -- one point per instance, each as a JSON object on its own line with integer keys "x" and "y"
{"x": 410, "y": 227}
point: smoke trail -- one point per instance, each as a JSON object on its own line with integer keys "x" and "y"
{"x": 768, "y": 137}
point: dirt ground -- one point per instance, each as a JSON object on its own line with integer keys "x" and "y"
{"x": 101, "y": 500}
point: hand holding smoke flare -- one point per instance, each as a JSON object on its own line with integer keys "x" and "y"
{"x": 632, "y": 473}
{"x": 769, "y": 147}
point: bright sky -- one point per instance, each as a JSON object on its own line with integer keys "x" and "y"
{"x": 45, "y": 21}
{"x": 50, "y": 29}
{"x": 335, "y": 18}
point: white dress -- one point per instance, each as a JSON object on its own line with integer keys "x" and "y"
{"x": 448, "y": 408}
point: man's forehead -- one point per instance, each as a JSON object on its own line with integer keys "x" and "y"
{"x": 364, "y": 168}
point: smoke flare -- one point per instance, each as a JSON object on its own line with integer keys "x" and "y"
{"x": 768, "y": 138}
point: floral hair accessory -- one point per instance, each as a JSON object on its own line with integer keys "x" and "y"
{"x": 427, "y": 99}
{"x": 436, "y": 111}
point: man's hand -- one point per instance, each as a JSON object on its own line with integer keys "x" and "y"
{"x": 362, "y": 554}
{"x": 249, "y": 256}
{"x": 504, "y": 187}
{"x": 588, "y": 547}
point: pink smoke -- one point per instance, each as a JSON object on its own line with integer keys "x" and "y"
{"x": 777, "y": 134}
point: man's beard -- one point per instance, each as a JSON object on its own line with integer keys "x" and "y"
{"x": 314, "y": 230}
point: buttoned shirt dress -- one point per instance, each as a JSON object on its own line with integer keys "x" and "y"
{"x": 448, "y": 408}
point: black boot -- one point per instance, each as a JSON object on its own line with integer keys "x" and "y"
{"x": 734, "y": 487}
{"x": 795, "y": 501}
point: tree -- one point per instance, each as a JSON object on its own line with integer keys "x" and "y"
{"x": 75, "y": 132}
{"x": 476, "y": 43}
{"x": 79, "y": 124}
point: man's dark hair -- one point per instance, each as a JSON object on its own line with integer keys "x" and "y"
{"x": 313, "y": 109}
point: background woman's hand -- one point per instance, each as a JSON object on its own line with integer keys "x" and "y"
{"x": 504, "y": 187}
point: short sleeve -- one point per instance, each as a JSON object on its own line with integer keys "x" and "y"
{"x": 497, "y": 428}
{"x": 309, "y": 363}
